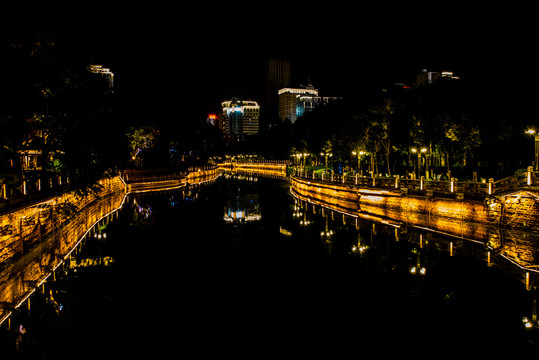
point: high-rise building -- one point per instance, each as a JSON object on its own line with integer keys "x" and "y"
{"x": 428, "y": 77}
{"x": 294, "y": 102}
{"x": 105, "y": 72}
{"x": 215, "y": 120}
{"x": 240, "y": 117}
{"x": 277, "y": 77}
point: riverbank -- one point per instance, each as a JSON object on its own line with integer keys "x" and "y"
{"x": 36, "y": 239}
{"x": 518, "y": 208}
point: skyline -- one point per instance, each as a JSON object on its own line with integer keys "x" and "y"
{"x": 162, "y": 59}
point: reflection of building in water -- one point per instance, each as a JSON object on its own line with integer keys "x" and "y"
{"x": 242, "y": 208}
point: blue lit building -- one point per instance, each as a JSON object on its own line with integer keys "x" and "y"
{"x": 295, "y": 102}
{"x": 240, "y": 117}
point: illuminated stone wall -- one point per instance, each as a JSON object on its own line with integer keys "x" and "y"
{"x": 202, "y": 175}
{"x": 22, "y": 228}
{"x": 329, "y": 193}
{"x": 520, "y": 209}
{"x": 273, "y": 169}
{"x": 42, "y": 235}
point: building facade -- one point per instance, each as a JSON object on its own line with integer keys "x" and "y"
{"x": 240, "y": 118}
{"x": 295, "y": 102}
{"x": 428, "y": 77}
{"x": 105, "y": 72}
{"x": 277, "y": 77}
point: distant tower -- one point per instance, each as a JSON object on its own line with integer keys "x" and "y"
{"x": 277, "y": 77}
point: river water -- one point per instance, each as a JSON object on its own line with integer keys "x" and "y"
{"x": 242, "y": 267}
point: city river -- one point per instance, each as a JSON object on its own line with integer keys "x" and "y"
{"x": 241, "y": 266}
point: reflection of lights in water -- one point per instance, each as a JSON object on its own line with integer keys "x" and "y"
{"x": 418, "y": 270}
{"x": 359, "y": 248}
{"x": 527, "y": 323}
{"x": 284, "y": 231}
{"x": 242, "y": 208}
{"x": 145, "y": 212}
{"x": 91, "y": 262}
{"x": 172, "y": 201}
{"x": 240, "y": 215}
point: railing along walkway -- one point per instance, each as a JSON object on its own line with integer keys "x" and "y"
{"x": 461, "y": 189}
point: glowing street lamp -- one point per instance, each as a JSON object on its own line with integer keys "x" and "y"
{"x": 326, "y": 154}
{"x": 536, "y": 157}
{"x": 424, "y": 151}
{"x": 419, "y": 152}
{"x": 359, "y": 155}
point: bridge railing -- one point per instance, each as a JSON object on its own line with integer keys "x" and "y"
{"x": 430, "y": 187}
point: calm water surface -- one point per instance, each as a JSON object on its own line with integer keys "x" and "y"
{"x": 242, "y": 267}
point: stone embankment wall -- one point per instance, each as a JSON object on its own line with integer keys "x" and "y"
{"x": 22, "y": 228}
{"x": 35, "y": 240}
{"x": 277, "y": 169}
{"x": 519, "y": 209}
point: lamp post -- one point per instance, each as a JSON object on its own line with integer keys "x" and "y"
{"x": 536, "y": 157}
{"x": 419, "y": 160}
{"x": 414, "y": 150}
{"x": 424, "y": 151}
{"x": 326, "y": 154}
{"x": 359, "y": 155}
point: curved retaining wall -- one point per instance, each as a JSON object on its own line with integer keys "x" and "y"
{"x": 457, "y": 217}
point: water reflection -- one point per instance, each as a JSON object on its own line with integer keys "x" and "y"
{"x": 401, "y": 247}
{"x": 57, "y": 236}
{"x": 242, "y": 207}
{"x": 300, "y": 270}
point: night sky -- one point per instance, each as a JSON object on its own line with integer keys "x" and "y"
{"x": 180, "y": 64}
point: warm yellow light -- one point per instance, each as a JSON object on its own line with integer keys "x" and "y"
{"x": 423, "y": 150}
{"x": 530, "y": 131}
{"x": 414, "y": 150}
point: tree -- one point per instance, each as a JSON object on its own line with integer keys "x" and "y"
{"x": 140, "y": 139}
{"x": 461, "y": 137}
{"x": 53, "y": 104}
{"x": 378, "y": 124}
{"x": 327, "y": 148}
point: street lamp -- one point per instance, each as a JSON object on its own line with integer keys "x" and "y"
{"x": 536, "y": 157}
{"x": 424, "y": 151}
{"x": 359, "y": 155}
{"x": 326, "y": 154}
{"x": 419, "y": 152}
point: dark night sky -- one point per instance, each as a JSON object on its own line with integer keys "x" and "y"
{"x": 181, "y": 63}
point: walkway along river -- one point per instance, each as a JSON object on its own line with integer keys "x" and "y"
{"x": 243, "y": 263}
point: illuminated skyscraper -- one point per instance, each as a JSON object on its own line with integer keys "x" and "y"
{"x": 105, "y": 72}
{"x": 277, "y": 77}
{"x": 240, "y": 117}
{"x": 294, "y": 102}
{"x": 428, "y": 77}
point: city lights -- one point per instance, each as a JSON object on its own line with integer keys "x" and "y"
{"x": 534, "y": 133}
{"x": 401, "y": 198}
